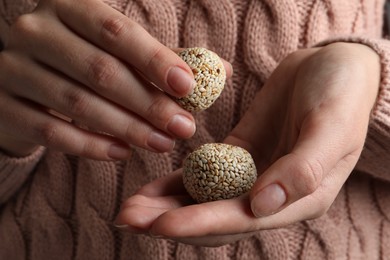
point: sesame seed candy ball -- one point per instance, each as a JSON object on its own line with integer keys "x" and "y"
{"x": 218, "y": 171}
{"x": 209, "y": 74}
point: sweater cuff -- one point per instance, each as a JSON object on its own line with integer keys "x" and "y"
{"x": 14, "y": 172}
{"x": 375, "y": 157}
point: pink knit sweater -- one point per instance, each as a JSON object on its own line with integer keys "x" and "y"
{"x": 57, "y": 206}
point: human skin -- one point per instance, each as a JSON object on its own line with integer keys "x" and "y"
{"x": 64, "y": 66}
{"x": 305, "y": 129}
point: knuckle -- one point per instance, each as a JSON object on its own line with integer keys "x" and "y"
{"x": 158, "y": 111}
{"x": 156, "y": 56}
{"x": 77, "y": 103}
{"x": 137, "y": 133}
{"x": 113, "y": 28}
{"x": 91, "y": 149}
{"x": 101, "y": 72}
{"x": 129, "y": 132}
{"x": 48, "y": 133}
{"x": 25, "y": 25}
{"x": 133, "y": 137}
{"x": 309, "y": 175}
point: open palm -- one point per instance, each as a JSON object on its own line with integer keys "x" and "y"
{"x": 305, "y": 129}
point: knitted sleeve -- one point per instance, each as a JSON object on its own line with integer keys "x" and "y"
{"x": 14, "y": 172}
{"x": 375, "y": 158}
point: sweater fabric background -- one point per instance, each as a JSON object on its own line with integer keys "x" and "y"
{"x": 58, "y": 206}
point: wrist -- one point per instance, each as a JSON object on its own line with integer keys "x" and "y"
{"x": 366, "y": 70}
{"x": 372, "y": 63}
{"x": 368, "y": 60}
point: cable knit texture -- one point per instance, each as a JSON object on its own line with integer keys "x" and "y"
{"x": 56, "y": 206}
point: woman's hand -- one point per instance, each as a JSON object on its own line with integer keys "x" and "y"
{"x": 305, "y": 129}
{"x": 82, "y": 61}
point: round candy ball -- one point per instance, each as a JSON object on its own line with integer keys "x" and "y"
{"x": 209, "y": 74}
{"x": 218, "y": 171}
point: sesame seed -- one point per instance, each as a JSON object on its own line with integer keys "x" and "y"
{"x": 209, "y": 73}
{"x": 214, "y": 181}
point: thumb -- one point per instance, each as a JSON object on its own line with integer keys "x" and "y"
{"x": 318, "y": 153}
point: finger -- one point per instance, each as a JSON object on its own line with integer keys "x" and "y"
{"x": 152, "y": 200}
{"x": 189, "y": 223}
{"x": 110, "y": 78}
{"x": 171, "y": 184}
{"x": 115, "y": 33}
{"x": 234, "y": 216}
{"x": 138, "y": 218}
{"x": 34, "y": 125}
{"x": 164, "y": 202}
{"x": 174, "y": 217}
{"x": 317, "y": 152}
{"x": 139, "y": 212}
{"x": 228, "y": 66}
{"x": 206, "y": 217}
{"x": 80, "y": 104}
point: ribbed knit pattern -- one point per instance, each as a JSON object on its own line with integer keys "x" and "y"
{"x": 55, "y": 206}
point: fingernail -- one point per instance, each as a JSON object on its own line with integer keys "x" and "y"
{"x": 268, "y": 200}
{"x": 181, "y": 126}
{"x": 156, "y": 236}
{"x": 122, "y": 227}
{"x": 161, "y": 142}
{"x": 129, "y": 228}
{"x": 231, "y": 69}
{"x": 180, "y": 81}
{"x": 118, "y": 152}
